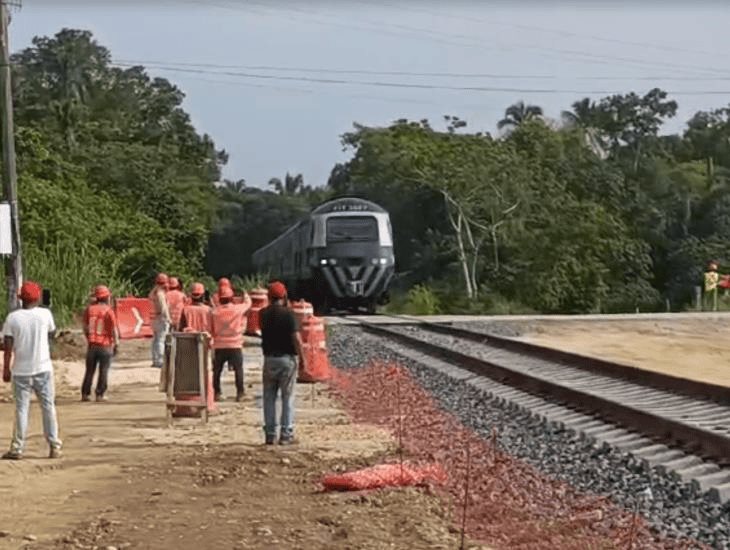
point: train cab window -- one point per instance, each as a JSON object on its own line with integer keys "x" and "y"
{"x": 352, "y": 228}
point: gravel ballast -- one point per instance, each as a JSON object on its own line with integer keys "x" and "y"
{"x": 672, "y": 508}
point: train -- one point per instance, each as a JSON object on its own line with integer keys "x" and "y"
{"x": 339, "y": 257}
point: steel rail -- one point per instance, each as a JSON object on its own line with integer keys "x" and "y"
{"x": 653, "y": 423}
{"x": 614, "y": 369}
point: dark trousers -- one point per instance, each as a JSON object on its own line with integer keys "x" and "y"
{"x": 101, "y": 357}
{"x": 234, "y": 358}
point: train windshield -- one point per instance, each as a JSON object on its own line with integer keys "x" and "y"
{"x": 352, "y": 228}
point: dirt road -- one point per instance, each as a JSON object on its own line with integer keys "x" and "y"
{"x": 128, "y": 481}
{"x": 690, "y": 348}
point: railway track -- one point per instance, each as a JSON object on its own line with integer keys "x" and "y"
{"x": 689, "y": 415}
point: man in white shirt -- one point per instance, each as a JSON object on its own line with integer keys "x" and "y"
{"x": 27, "y": 333}
{"x": 160, "y": 319}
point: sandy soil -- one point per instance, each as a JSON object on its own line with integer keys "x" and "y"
{"x": 698, "y": 349}
{"x": 128, "y": 481}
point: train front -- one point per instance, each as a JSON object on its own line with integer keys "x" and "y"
{"x": 354, "y": 254}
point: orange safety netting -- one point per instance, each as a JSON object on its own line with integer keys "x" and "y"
{"x": 384, "y": 475}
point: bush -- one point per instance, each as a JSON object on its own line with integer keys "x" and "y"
{"x": 421, "y": 300}
{"x": 70, "y": 272}
{"x": 251, "y": 281}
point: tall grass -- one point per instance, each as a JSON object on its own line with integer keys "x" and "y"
{"x": 251, "y": 281}
{"x": 70, "y": 271}
{"x": 427, "y": 300}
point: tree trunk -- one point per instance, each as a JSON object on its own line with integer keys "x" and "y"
{"x": 710, "y": 172}
{"x": 463, "y": 258}
{"x": 474, "y": 262}
{"x": 636, "y": 158}
{"x": 495, "y": 248}
{"x": 456, "y": 224}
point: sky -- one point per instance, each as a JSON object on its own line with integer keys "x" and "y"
{"x": 276, "y": 83}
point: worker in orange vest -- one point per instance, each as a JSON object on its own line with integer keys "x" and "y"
{"x": 102, "y": 334}
{"x": 222, "y": 283}
{"x": 175, "y": 301}
{"x": 160, "y": 317}
{"x": 196, "y": 317}
{"x": 228, "y": 324}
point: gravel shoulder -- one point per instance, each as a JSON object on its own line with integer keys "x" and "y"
{"x": 128, "y": 481}
{"x": 673, "y": 511}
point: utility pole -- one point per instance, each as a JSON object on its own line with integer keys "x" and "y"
{"x": 14, "y": 267}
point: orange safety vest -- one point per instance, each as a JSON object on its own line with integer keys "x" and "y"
{"x": 100, "y": 322}
{"x": 228, "y": 323}
{"x": 197, "y": 318}
{"x": 176, "y": 302}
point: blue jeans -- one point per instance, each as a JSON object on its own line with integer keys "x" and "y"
{"x": 280, "y": 373}
{"x": 160, "y": 328}
{"x": 42, "y": 385}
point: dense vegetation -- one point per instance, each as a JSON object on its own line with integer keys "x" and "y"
{"x": 594, "y": 212}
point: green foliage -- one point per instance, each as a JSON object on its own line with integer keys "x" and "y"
{"x": 599, "y": 213}
{"x": 115, "y": 184}
{"x": 251, "y": 281}
{"x": 71, "y": 270}
{"x": 247, "y": 220}
{"x": 419, "y": 300}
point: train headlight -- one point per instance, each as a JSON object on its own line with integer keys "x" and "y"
{"x": 379, "y": 261}
{"x": 333, "y": 261}
{"x": 383, "y": 261}
{"x": 323, "y": 261}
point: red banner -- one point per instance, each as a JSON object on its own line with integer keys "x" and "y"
{"x": 133, "y": 317}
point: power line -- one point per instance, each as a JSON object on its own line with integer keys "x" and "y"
{"x": 474, "y": 42}
{"x": 412, "y": 85}
{"x": 436, "y": 74}
{"x": 314, "y": 92}
{"x": 557, "y": 32}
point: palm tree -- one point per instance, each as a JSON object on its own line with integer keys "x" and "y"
{"x": 584, "y": 118}
{"x": 290, "y": 186}
{"x": 238, "y": 186}
{"x": 518, "y": 113}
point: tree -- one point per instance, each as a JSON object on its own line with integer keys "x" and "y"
{"x": 475, "y": 177}
{"x": 632, "y": 122}
{"x": 583, "y": 118}
{"x": 292, "y": 185}
{"x": 238, "y": 186}
{"x": 518, "y": 113}
{"x": 59, "y": 76}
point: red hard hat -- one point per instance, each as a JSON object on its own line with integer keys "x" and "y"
{"x": 223, "y": 282}
{"x": 30, "y": 292}
{"x": 161, "y": 279}
{"x": 197, "y": 289}
{"x": 174, "y": 283}
{"x": 226, "y": 292}
{"x": 277, "y": 290}
{"x": 101, "y": 292}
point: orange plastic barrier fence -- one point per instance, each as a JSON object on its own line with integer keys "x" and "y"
{"x": 384, "y": 475}
{"x": 259, "y": 300}
{"x": 133, "y": 317}
{"x": 316, "y": 365}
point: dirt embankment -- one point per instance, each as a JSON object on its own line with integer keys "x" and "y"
{"x": 129, "y": 481}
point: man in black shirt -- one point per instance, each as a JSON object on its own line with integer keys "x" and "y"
{"x": 281, "y": 344}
